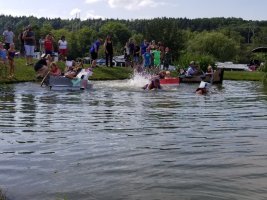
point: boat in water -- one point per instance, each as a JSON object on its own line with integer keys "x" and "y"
{"x": 215, "y": 78}
{"x": 80, "y": 82}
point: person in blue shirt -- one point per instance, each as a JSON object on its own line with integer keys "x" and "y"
{"x": 94, "y": 51}
{"x": 144, "y": 46}
{"x": 191, "y": 71}
{"x": 147, "y": 58}
{"x": 3, "y": 60}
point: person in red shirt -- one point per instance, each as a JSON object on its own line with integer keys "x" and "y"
{"x": 48, "y": 44}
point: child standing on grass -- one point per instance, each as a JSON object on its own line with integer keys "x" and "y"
{"x": 11, "y": 56}
{"x": 3, "y": 61}
{"x": 156, "y": 56}
{"x": 167, "y": 59}
{"x": 147, "y": 59}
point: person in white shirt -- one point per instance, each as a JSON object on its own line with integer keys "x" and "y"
{"x": 203, "y": 87}
{"x": 62, "y": 48}
{"x": 8, "y": 37}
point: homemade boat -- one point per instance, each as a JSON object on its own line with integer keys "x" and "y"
{"x": 215, "y": 78}
{"x": 80, "y": 82}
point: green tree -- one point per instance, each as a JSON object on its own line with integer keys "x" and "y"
{"x": 216, "y": 44}
{"x": 119, "y": 32}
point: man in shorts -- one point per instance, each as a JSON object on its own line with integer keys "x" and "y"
{"x": 94, "y": 51}
{"x": 29, "y": 44}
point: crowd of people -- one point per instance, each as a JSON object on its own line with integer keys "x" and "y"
{"x": 146, "y": 56}
{"x": 27, "y": 42}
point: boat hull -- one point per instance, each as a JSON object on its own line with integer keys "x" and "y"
{"x": 63, "y": 83}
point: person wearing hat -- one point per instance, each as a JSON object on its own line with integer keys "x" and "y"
{"x": 29, "y": 44}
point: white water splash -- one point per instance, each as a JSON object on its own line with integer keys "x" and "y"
{"x": 138, "y": 80}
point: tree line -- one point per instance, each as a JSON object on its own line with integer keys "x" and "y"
{"x": 205, "y": 40}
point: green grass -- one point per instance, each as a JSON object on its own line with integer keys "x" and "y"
{"x": 243, "y": 75}
{"x": 114, "y": 73}
{"x": 23, "y": 73}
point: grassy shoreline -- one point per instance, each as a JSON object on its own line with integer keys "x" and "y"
{"x": 25, "y": 73}
{"x": 243, "y": 75}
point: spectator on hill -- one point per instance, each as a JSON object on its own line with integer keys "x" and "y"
{"x": 48, "y": 44}
{"x": 63, "y": 48}
{"x": 108, "y": 45}
{"x": 21, "y": 42}
{"x": 3, "y": 61}
{"x": 167, "y": 59}
{"x": 8, "y": 37}
{"x": 11, "y": 55}
{"x": 94, "y": 51}
{"x": 29, "y": 44}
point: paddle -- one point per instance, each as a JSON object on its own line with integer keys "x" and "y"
{"x": 45, "y": 78}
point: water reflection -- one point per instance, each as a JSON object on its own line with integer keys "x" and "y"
{"x": 119, "y": 142}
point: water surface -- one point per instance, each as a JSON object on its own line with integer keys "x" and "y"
{"x": 119, "y": 142}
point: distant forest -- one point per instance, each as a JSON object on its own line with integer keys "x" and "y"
{"x": 212, "y": 39}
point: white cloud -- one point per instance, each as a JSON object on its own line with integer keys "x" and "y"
{"x": 75, "y": 11}
{"x": 134, "y": 4}
{"x": 92, "y": 1}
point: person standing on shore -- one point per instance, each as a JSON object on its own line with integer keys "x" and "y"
{"x": 108, "y": 45}
{"x": 8, "y": 37}
{"x": 21, "y": 42}
{"x": 94, "y": 51}
{"x": 29, "y": 44}
{"x": 11, "y": 55}
{"x": 62, "y": 48}
{"x": 3, "y": 61}
{"x": 48, "y": 44}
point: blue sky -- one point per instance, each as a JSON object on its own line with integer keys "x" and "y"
{"x": 133, "y": 9}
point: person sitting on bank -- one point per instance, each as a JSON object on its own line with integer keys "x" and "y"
{"x": 54, "y": 69}
{"x": 41, "y": 66}
{"x": 203, "y": 87}
{"x": 153, "y": 85}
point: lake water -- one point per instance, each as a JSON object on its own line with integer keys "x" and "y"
{"x": 117, "y": 142}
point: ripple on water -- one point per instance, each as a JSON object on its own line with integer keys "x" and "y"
{"x": 119, "y": 142}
